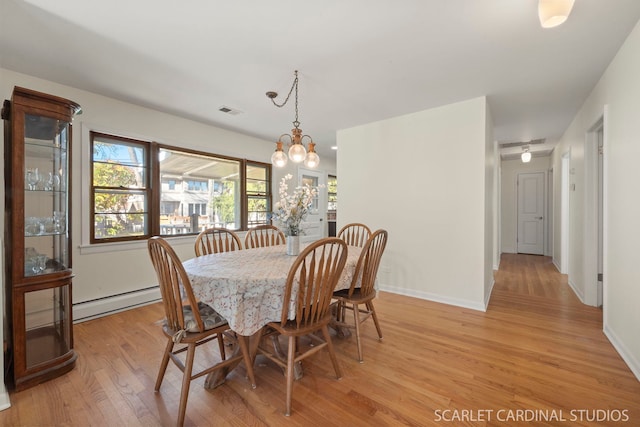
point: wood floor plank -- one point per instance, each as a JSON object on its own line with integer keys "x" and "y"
{"x": 536, "y": 348}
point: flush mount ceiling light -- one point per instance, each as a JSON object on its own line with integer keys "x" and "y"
{"x": 554, "y": 12}
{"x": 526, "y": 155}
{"x": 297, "y": 152}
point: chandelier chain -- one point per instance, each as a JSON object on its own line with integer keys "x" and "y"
{"x": 296, "y": 123}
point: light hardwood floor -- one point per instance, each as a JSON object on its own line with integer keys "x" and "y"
{"x": 536, "y": 352}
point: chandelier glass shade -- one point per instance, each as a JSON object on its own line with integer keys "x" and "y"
{"x": 554, "y": 12}
{"x": 297, "y": 152}
{"x": 278, "y": 158}
{"x": 312, "y": 159}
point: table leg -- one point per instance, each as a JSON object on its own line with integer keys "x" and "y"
{"x": 217, "y": 377}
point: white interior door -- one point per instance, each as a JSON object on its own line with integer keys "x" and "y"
{"x": 531, "y": 213}
{"x": 314, "y": 225}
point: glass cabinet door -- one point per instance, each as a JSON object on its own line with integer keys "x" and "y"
{"x": 48, "y": 328}
{"x": 45, "y": 198}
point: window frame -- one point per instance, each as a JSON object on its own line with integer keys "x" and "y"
{"x": 154, "y": 187}
{"x": 147, "y": 190}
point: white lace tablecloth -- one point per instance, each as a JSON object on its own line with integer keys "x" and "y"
{"x": 247, "y": 286}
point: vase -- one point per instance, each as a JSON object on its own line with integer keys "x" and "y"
{"x": 293, "y": 245}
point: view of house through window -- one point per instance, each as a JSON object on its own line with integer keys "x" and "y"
{"x": 194, "y": 190}
{"x": 198, "y": 191}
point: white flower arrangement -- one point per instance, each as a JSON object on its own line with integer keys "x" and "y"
{"x": 292, "y": 209}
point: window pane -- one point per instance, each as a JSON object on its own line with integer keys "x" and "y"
{"x": 198, "y": 185}
{"x": 256, "y": 186}
{"x": 120, "y": 225}
{"x": 118, "y": 163}
{"x": 121, "y": 201}
{"x": 257, "y": 172}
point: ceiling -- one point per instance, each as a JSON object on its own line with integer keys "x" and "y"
{"x": 359, "y": 61}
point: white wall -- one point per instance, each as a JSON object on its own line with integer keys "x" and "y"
{"x": 103, "y": 271}
{"x": 619, "y": 93}
{"x": 490, "y": 205}
{"x": 423, "y": 177}
{"x": 509, "y": 199}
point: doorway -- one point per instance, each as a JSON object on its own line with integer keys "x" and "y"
{"x": 531, "y": 213}
{"x": 564, "y": 213}
{"x": 314, "y": 225}
{"x": 594, "y": 215}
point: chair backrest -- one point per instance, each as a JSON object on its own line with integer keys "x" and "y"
{"x": 312, "y": 280}
{"x": 216, "y": 240}
{"x": 369, "y": 262}
{"x": 175, "y": 285}
{"x": 264, "y": 235}
{"x": 355, "y": 234}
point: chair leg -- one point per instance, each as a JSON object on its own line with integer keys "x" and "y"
{"x": 164, "y": 363}
{"x": 186, "y": 382}
{"x": 372, "y": 310}
{"x": 332, "y": 353}
{"x": 290, "y": 375}
{"x": 356, "y": 321}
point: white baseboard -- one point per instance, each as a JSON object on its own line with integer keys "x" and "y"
{"x": 555, "y": 263}
{"x": 627, "y": 356}
{"x": 577, "y": 292}
{"x": 434, "y": 297}
{"x": 487, "y": 297}
{"x": 5, "y": 403}
{"x": 101, "y": 307}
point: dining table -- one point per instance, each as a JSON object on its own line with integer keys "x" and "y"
{"x": 247, "y": 288}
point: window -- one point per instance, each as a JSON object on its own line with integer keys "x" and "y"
{"x": 332, "y": 194}
{"x": 258, "y": 194}
{"x": 196, "y": 208}
{"x": 120, "y": 190}
{"x": 194, "y": 190}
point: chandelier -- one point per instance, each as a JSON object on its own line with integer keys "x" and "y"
{"x": 297, "y": 152}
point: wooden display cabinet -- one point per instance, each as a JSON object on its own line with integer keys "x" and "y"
{"x": 37, "y": 157}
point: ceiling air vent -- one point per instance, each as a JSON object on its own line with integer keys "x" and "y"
{"x": 229, "y": 110}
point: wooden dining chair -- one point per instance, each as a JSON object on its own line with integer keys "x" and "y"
{"x": 362, "y": 290}
{"x": 310, "y": 284}
{"x": 355, "y": 234}
{"x": 188, "y": 324}
{"x": 264, "y": 235}
{"x": 216, "y": 240}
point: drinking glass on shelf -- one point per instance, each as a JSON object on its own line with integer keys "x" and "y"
{"x": 59, "y": 221}
{"x": 48, "y": 185}
{"x": 33, "y": 226}
{"x": 39, "y": 264}
{"x": 49, "y": 225}
{"x": 32, "y": 177}
{"x": 55, "y": 186}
